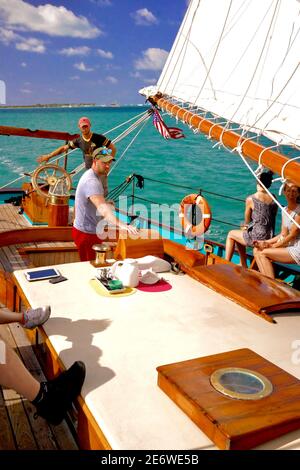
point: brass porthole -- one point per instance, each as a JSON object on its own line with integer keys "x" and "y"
{"x": 242, "y": 384}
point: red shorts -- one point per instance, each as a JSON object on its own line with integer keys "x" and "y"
{"x": 84, "y": 242}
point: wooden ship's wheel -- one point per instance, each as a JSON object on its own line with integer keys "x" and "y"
{"x": 51, "y": 177}
{"x": 47, "y": 200}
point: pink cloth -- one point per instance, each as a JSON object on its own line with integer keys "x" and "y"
{"x": 160, "y": 286}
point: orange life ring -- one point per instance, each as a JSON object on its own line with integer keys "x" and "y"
{"x": 185, "y": 215}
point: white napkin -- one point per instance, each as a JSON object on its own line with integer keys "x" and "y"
{"x": 148, "y": 276}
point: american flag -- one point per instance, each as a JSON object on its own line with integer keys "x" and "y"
{"x": 164, "y": 130}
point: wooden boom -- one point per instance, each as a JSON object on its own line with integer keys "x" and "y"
{"x": 270, "y": 159}
{"x": 40, "y": 134}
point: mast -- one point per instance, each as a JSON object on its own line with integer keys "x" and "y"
{"x": 40, "y": 134}
{"x": 269, "y": 158}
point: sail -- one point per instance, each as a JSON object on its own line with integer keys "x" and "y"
{"x": 239, "y": 60}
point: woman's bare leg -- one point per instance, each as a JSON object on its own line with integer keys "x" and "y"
{"x": 7, "y": 316}
{"x": 243, "y": 255}
{"x": 13, "y": 374}
{"x": 236, "y": 237}
{"x": 265, "y": 257}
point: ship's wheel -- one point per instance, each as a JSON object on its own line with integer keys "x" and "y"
{"x": 48, "y": 180}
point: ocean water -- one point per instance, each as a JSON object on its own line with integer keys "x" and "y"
{"x": 191, "y": 162}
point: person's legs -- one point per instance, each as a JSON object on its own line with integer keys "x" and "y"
{"x": 7, "y": 316}
{"x": 52, "y": 399}
{"x": 265, "y": 257}
{"x": 236, "y": 237}
{"x": 56, "y": 396}
{"x": 84, "y": 243}
{"x": 13, "y": 374}
{"x": 31, "y": 318}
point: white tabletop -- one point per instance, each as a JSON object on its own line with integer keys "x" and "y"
{"x": 122, "y": 341}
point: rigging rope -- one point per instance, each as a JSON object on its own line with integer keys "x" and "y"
{"x": 128, "y": 146}
{"x": 194, "y": 189}
{"x": 11, "y": 182}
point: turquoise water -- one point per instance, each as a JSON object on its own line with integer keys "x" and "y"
{"x": 189, "y": 162}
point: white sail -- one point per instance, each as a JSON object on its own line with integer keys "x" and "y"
{"x": 239, "y": 59}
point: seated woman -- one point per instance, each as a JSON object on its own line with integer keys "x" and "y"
{"x": 260, "y": 214}
{"x": 285, "y": 247}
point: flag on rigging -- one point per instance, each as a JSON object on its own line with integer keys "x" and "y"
{"x": 164, "y": 130}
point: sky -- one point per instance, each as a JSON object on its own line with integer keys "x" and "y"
{"x": 84, "y": 51}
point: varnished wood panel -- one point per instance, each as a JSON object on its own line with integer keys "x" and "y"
{"x": 232, "y": 423}
{"x": 147, "y": 242}
{"x": 182, "y": 255}
{"x": 35, "y": 234}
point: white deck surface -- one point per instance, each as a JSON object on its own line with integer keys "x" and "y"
{"x": 122, "y": 341}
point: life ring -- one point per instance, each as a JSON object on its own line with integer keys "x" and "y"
{"x": 191, "y": 228}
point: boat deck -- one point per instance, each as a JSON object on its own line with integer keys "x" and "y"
{"x": 123, "y": 339}
{"x": 11, "y": 257}
{"x": 18, "y": 428}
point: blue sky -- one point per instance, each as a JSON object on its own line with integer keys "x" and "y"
{"x": 84, "y": 51}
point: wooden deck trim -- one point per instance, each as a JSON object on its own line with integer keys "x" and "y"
{"x": 35, "y": 234}
{"x": 46, "y": 249}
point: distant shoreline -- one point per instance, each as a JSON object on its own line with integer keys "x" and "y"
{"x": 51, "y": 105}
{"x": 81, "y": 105}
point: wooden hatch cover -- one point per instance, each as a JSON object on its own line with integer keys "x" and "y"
{"x": 223, "y": 409}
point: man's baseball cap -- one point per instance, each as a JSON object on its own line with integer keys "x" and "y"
{"x": 103, "y": 154}
{"x": 84, "y": 121}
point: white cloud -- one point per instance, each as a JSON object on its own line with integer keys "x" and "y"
{"x": 82, "y": 67}
{"x": 71, "y": 51}
{"x": 144, "y": 17}
{"x": 102, "y": 3}
{"x": 31, "y": 45}
{"x": 150, "y": 81}
{"x": 23, "y": 64}
{"x": 26, "y": 91}
{"x": 21, "y": 43}
{"x": 112, "y": 80}
{"x": 105, "y": 54}
{"x": 135, "y": 75}
{"x": 75, "y": 77}
{"x": 48, "y": 19}
{"x": 7, "y": 36}
{"x": 152, "y": 59}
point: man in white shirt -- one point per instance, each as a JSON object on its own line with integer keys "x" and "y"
{"x": 91, "y": 207}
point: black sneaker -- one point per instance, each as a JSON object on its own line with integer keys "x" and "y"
{"x": 57, "y": 395}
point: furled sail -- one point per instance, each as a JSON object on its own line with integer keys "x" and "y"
{"x": 239, "y": 60}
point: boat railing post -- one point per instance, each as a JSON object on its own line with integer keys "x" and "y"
{"x": 66, "y": 158}
{"x": 132, "y": 196}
